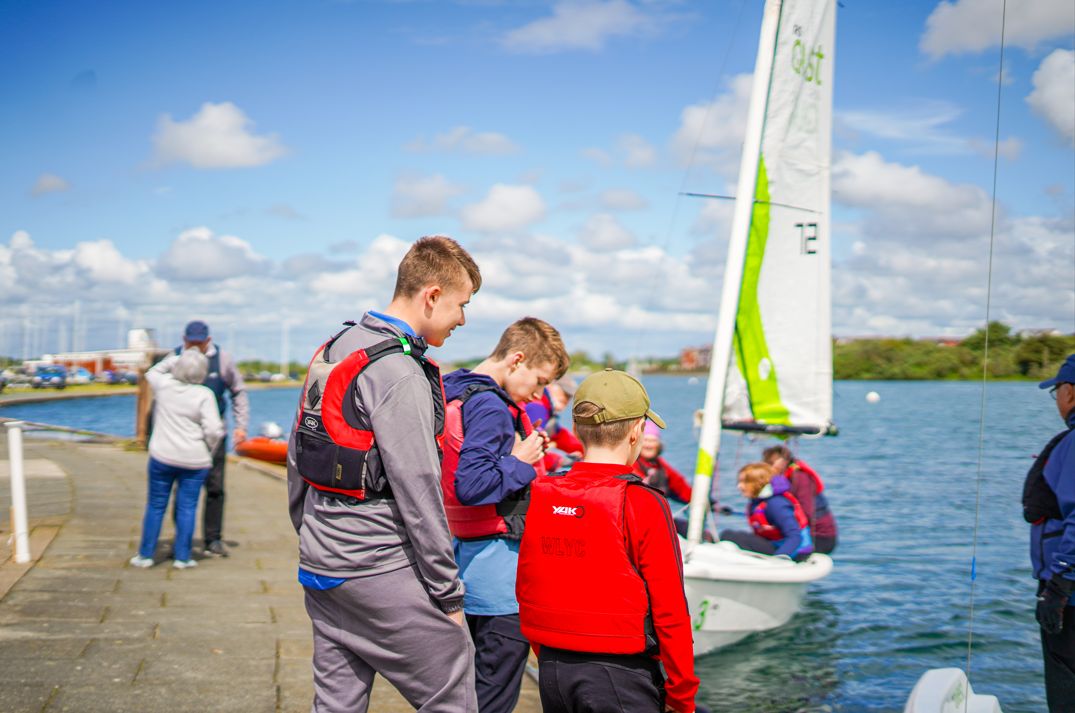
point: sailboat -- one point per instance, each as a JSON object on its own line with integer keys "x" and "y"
{"x": 771, "y": 365}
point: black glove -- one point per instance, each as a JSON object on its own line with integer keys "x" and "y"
{"x": 1053, "y": 598}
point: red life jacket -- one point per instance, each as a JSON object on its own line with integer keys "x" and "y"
{"x": 334, "y": 445}
{"x": 476, "y": 522}
{"x": 760, "y": 521}
{"x": 576, "y": 585}
{"x": 799, "y": 465}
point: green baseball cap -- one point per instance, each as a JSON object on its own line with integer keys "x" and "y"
{"x": 619, "y": 395}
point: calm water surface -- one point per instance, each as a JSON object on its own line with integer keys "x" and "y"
{"x": 901, "y": 478}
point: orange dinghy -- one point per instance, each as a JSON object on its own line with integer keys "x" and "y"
{"x": 271, "y": 450}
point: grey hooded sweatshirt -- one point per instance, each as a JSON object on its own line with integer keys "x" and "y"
{"x": 338, "y": 539}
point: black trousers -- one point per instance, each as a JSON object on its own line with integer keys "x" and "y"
{"x": 213, "y": 515}
{"x": 500, "y": 653}
{"x": 1058, "y": 651}
{"x": 825, "y": 545}
{"x": 749, "y": 541}
{"x": 574, "y": 682}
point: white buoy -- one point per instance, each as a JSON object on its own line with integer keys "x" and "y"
{"x": 873, "y": 397}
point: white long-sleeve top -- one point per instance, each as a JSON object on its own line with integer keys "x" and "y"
{"x": 186, "y": 421}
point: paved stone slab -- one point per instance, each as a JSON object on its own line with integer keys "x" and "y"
{"x": 83, "y": 631}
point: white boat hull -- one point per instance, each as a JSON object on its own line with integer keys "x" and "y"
{"x": 732, "y": 593}
{"x": 946, "y": 690}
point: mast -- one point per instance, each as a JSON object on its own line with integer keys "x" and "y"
{"x": 709, "y": 441}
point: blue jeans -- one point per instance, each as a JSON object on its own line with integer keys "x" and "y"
{"x": 188, "y": 484}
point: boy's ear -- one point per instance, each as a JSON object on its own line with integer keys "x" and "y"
{"x": 431, "y": 294}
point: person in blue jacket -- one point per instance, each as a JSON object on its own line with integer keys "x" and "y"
{"x": 1049, "y": 505}
{"x": 492, "y": 452}
{"x": 778, "y": 522}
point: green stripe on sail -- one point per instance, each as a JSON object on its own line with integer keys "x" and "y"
{"x": 751, "y": 350}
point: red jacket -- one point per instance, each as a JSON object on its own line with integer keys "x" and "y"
{"x": 652, "y": 550}
{"x": 808, "y": 489}
{"x": 659, "y": 474}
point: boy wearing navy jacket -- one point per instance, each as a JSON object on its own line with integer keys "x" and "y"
{"x": 600, "y": 580}
{"x": 491, "y": 454}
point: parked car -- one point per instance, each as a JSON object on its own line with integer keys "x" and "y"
{"x": 49, "y": 376}
{"x": 79, "y": 375}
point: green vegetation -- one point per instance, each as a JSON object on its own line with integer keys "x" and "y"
{"x": 256, "y": 366}
{"x": 1033, "y": 357}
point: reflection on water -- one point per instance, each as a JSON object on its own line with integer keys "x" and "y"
{"x": 901, "y": 478}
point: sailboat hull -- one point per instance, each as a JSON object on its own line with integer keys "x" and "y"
{"x": 732, "y": 593}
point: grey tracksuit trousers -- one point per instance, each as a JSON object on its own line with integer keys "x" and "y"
{"x": 387, "y": 624}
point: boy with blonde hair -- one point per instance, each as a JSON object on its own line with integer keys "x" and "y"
{"x": 491, "y": 454}
{"x": 375, "y": 556}
{"x": 600, "y": 581}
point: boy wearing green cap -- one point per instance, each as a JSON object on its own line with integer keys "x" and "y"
{"x": 600, "y": 577}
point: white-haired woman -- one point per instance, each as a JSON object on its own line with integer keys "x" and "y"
{"x": 186, "y": 429}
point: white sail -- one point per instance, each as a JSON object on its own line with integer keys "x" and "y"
{"x": 781, "y": 371}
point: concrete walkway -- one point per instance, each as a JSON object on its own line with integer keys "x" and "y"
{"x": 80, "y": 630}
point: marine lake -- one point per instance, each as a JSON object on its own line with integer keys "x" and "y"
{"x": 901, "y": 477}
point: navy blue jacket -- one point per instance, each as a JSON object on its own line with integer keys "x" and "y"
{"x": 781, "y": 514}
{"x": 1052, "y": 543}
{"x": 487, "y": 472}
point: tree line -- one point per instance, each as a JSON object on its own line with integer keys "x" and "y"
{"x": 1011, "y": 356}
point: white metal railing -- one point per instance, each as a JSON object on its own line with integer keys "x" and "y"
{"x": 20, "y": 530}
{"x": 20, "y": 537}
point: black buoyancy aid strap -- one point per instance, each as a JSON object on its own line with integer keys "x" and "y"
{"x": 514, "y": 409}
{"x": 1039, "y": 500}
{"x": 332, "y": 340}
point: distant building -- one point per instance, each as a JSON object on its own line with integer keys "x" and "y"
{"x": 695, "y": 358}
{"x": 140, "y": 353}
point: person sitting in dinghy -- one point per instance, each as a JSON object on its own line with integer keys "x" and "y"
{"x": 809, "y": 490}
{"x": 658, "y": 473}
{"x": 778, "y": 522}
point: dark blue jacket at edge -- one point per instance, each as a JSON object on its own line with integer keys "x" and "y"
{"x": 1052, "y": 543}
{"x": 487, "y": 471}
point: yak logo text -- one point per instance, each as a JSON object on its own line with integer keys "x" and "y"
{"x": 569, "y": 510}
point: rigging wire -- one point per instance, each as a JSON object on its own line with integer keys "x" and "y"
{"x": 985, "y": 355}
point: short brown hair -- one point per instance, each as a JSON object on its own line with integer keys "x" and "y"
{"x": 602, "y": 435}
{"x": 435, "y": 260}
{"x": 538, "y": 340}
{"x": 756, "y": 476}
{"x": 770, "y": 454}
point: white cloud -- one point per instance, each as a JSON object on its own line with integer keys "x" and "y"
{"x": 581, "y": 25}
{"x": 712, "y": 133}
{"x": 922, "y": 129}
{"x": 1053, "y": 97}
{"x": 505, "y": 208}
{"x": 633, "y": 150}
{"x": 198, "y": 255}
{"x": 372, "y": 276}
{"x": 103, "y": 263}
{"x": 602, "y": 231}
{"x": 623, "y": 199}
{"x": 218, "y": 136}
{"x": 423, "y": 196}
{"x": 905, "y": 196}
{"x": 639, "y": 153}
{"x": 463, "y": 139}
{"x": 967, "y": 26}
{"x": 49, "y": 183}
{"x": 918, "y": 259}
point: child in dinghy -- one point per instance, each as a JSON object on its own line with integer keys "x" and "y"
{"x": 778, "y": 522}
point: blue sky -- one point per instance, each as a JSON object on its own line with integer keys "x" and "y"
{"x": 259, "y": 163}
